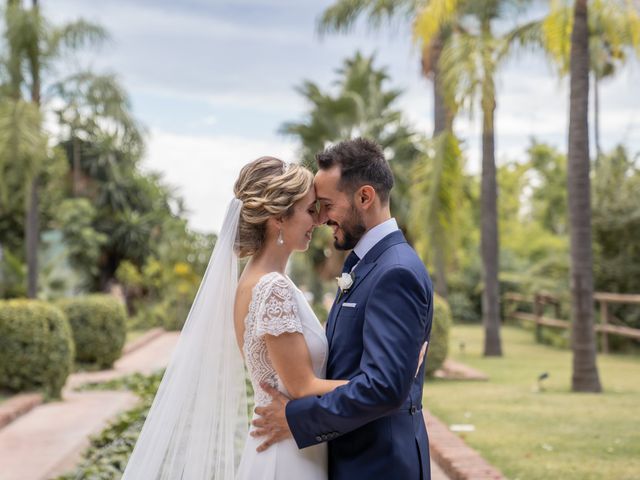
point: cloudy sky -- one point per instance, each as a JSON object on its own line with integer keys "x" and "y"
{"x": 213, "y": 80}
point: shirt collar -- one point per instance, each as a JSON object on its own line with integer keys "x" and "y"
{"x": 374, "y": 235}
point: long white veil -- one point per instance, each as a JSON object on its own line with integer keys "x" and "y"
{"x": 197, "y": 423}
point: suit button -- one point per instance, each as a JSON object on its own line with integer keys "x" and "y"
{"x": 318, "y": 438}
{"x": 325, "y": 437}
{"x": 413, "y": 410}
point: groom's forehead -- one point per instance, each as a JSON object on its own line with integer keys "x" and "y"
{"x": 328, "y": 178}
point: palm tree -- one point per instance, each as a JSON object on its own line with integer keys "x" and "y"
{"x": 614, "y": 32}
{"x": 585, "y": 376}
{"x": 360, "y": 105}
{"x": 468, "y": 65}
{"x": 33, "y": 46}
{"x": 340, "y": 17}
{"x": 95, "y": 115}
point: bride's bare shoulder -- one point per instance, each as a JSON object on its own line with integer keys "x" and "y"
{"x": 248, "y": 281}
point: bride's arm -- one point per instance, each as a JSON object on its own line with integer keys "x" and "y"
{"x": 289, "y": 355}
{"x": 290, "y": 358}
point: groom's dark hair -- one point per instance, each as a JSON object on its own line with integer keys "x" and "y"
{"x": 361, "y": 162}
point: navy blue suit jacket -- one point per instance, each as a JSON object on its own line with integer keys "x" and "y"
{"x": 374, "y": 424}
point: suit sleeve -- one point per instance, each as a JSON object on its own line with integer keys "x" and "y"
{"x": 395, "y": 325}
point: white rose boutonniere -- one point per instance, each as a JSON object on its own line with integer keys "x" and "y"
{"x": 344, "y": 283}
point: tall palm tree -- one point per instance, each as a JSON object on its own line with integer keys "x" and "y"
{"x": 33, "y": 45}
{"x": 340, "y": 17}
{"x": 614, "y": 33}
{"x": 468, "y": 65}
{"x": 585, "y": 376}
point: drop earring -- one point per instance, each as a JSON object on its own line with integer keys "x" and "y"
{"x": 280, "y": 240}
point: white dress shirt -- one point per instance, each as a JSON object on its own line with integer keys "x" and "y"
{"x": 373, "y": 236}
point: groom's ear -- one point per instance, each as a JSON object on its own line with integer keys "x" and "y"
{"x": 365, "y": 196}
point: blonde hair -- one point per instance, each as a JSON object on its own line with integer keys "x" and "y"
{"x": 268, "y": 187}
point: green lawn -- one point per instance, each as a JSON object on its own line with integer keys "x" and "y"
{"x": 554, "y": 434}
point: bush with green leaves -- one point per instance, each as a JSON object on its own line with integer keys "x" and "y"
{"x": 439, "y": 341}
{"x": 36, "y": 347}
{"x": 99, "y": 325}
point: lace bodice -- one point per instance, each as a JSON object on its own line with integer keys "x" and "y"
{"x": 278, "y": 307}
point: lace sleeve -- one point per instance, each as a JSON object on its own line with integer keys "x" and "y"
{"x": 277, "y": 311}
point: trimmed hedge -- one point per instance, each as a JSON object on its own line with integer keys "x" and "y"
{"x": 36, "y": 347}
{"x": 99, "y": 325}
{"x": 439, "y": 342}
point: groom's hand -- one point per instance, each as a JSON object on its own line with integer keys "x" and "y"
{"x": 273, "y": 421}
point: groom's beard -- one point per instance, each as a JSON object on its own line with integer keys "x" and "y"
{"x": 352, "y": 230}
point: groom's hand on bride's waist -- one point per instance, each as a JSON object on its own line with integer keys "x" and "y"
{"x": 272, "y": 423}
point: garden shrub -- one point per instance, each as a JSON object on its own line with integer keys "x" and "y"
{"x": 36, "y": 347}
{"x": 439, "y": 342}
{"x": 99, "y": 325}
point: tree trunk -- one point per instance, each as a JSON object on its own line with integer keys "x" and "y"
{"x": 442, "y": 115}
{"x": 489, "y": 215}
{"x": 585, "y": 372}
{"x": 442, "y": 122}
{"x": 76, "y": 164}
{"x": 32, "y": 234}
{"x": 32, "y": 224}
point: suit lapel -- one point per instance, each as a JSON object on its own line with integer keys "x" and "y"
{"x": 361, "y": 271}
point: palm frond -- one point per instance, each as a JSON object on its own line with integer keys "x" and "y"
{"x": 556, "y": 30}
{"x": 75, "y": 35}
{"x": 461, "y": 70}
{"x": 435, "y": 15}
{"x": 342, "y": 15}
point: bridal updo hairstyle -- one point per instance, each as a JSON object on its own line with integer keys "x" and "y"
{"x": 267, "y": 187}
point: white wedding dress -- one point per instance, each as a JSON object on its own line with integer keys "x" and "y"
{"x": 278, "y": 306}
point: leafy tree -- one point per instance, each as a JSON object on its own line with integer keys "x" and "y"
{"x": 616, "y": 228}
{"x": 32, "y": 47}
{"x": 436, "y": 194}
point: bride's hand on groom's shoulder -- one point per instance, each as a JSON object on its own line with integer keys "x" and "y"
{"x": 272, "y": 423}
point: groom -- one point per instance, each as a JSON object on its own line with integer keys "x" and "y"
{"x": 378, "y": 323}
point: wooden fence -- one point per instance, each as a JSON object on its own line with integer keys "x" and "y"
{"x": 608, "y": 324}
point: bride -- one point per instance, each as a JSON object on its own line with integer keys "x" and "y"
{"x": 197, "y": 423}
